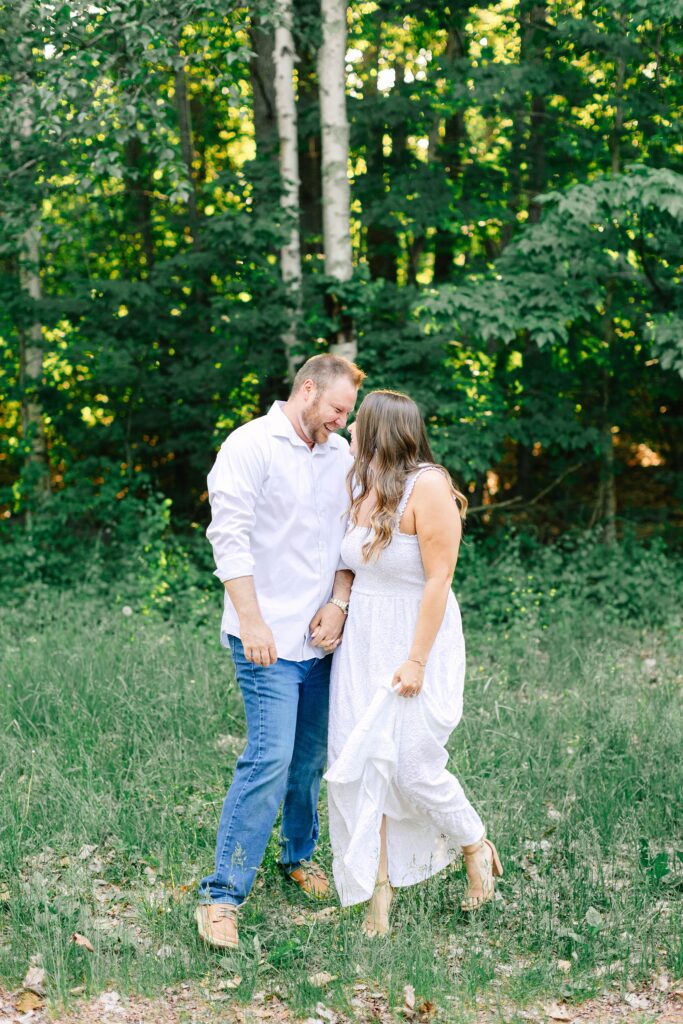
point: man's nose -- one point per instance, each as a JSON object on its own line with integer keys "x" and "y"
{"x": 341, "y": 419}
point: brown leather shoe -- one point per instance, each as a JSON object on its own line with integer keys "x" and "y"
{"x": 311, "y": 879}
{"x": 217, "y": 924}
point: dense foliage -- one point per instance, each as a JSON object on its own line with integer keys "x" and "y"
{"x": 517, "y": 199}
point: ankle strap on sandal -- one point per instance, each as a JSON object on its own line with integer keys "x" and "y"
{"x": 479, "y": 846}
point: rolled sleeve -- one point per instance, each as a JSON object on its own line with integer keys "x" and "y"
{"x": 234, "y": 484}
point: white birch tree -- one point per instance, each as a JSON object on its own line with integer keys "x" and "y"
{"x": 335, "y": 156}
{"x": 284, "y": 58}
{"x": 31, "y": 335}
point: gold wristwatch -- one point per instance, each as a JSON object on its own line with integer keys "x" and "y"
{"x": 344, "y": 605}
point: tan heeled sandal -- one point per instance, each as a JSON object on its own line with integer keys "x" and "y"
{"x": 493, "y": 867}
{"x": 369, "y": 929}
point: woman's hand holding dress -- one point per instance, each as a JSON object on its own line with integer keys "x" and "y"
{"x": 409, "y": 678}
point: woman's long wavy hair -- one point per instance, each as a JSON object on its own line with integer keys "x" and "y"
{"x": 391, "y": 444}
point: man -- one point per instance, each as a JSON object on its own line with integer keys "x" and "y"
{"x": 278, "y": 497}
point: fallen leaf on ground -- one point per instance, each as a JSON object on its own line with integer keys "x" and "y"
{"x": 326, "y": 1014}
{"x": 108, "y": 1000}
{"x": 564, "y": 965}
{"x": 86, "y": 851}
{"x": 35, "y": 980}
{"x": 409, "y": 997}
{"x": 28, "y": 1001}
{"x": 326, "y": 914}
{"x": 81, "y": 940}
{"x": 636, "y": 1002}
{"x": 426, "y": 1009}
{"x": 594, "y": 918}
{"x": 321, "y": 978}
{"x": 558, "y": 1011}
{"x": 229, "y": 983}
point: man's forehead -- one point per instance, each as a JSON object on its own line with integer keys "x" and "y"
{"x": 341, "y": 391}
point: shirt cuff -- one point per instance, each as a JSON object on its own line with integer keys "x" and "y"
{"x": 234, "y": 566}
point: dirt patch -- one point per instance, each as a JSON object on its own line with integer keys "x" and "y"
{"x": 187, "y": 1005}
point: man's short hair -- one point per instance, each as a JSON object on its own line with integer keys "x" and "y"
{"x": 325, "y": 369}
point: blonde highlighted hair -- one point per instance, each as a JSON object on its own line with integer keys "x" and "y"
{"x": 390, "y": 434}
{"x": 325, "y": 369}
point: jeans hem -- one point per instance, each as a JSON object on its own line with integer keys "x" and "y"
{"x": 226, "y": 899}
{"x": 289, "y": 866}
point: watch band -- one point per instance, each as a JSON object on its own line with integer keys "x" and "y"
{"x": 344, "y": 605}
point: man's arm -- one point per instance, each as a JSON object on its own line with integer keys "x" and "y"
{"x": 257, "y": 638}
{"x": 234, "y": 485}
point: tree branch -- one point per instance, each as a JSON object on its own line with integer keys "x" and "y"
{"x": 533, "y": 501}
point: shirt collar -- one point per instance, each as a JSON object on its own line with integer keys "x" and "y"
{"x": 281, "y": 426}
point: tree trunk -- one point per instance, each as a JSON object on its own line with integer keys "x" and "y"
{"x": 36, "y": 465}
{"x": 187, "y": 147}
{"x": 31, "y": 371}
{"x": 615, "y": 137}
{"x": 530, "y": 186}
{"x": 285, "y": 101}
{"x": 335, "y": 156}
{"x": 536, "y": 146}
{"x": 527, "y": 165}
{"x": 139, "y": 199}
{"x": 262, "y": 68}
{"x": 606, "y": 500}
{"x": 605, "y": 511}
{"x": 449, "y": 151}
{"x": 310, "y": 152}
{"x": 381, "y": 240}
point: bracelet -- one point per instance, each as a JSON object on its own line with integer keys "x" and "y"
{"x": 344, "y": 605}
{"x": 417, "y": 662}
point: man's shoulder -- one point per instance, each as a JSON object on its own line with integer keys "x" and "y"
{"x": 252, "y": 433}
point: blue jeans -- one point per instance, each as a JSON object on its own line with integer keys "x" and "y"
{"x": 286, "y": 707}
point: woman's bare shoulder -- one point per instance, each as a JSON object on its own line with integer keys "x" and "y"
{"x": 432, "y": 484}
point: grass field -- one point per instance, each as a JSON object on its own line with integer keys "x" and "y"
{"x": 119, "y": 736}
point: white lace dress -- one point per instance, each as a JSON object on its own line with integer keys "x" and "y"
{"x": 387, "y": 753}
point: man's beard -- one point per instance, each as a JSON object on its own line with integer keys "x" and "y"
{"x": 310, "y": 421}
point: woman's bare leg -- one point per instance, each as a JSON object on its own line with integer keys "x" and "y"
{"x": 377, "y": 917}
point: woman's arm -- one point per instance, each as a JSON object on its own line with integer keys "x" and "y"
{"x": 438, "y": 527}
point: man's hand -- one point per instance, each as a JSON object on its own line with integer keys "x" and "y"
{"x": 326, "y": 627}
{"x": 258, "y": 642}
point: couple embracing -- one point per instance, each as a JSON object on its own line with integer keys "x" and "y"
{"x": 337, "y": 563}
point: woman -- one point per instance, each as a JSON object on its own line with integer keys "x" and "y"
{"x": 397, "y": 816}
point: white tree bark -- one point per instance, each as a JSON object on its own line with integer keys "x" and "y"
{"x": 31, "y": 338}
{"x": 284, "y": 58}
{"x": 335, "y": 157}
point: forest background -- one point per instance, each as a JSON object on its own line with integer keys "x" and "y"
{"x": 510, "y": 255}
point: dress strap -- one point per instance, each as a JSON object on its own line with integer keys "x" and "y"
{"x": 408, "y": 490}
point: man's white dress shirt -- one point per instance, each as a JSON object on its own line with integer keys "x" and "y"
{"x": 278, "y": 513}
